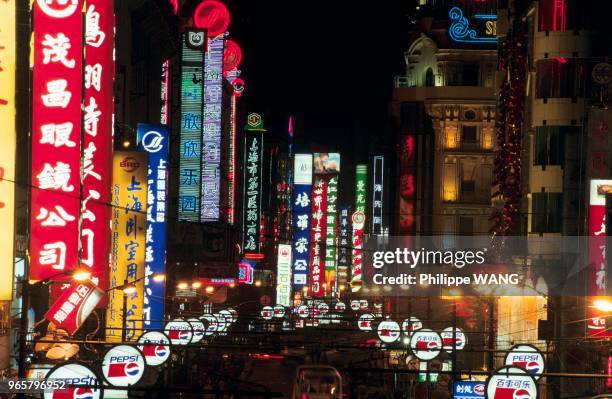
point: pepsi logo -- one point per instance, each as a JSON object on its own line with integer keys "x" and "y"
{"x": 123, "y": 369}
{"x": 522, "y": 394}
{"x": 479, "y": 389}
{"x": 77, "y": 377}
{"x": 123, "y": 365}
{"x": 527, "y": 357}
{"x": 83, "y": 393}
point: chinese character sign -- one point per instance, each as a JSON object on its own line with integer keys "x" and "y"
{"x": 8, "y": 139}
{"x": 56, "y": 137}
{"x": 343, "y": 247}
{"x": 317, "y": 238}
{"x": 283, "y": 275}
{"x": 377, "y": 195}
{"x": 192, "y": 59}
{"x": 407, "y": 184}
{"x": 97, "y": 138}
{"x": 596, "y": 321}
{"x": 211, "y": 130}
{"x": 331, "y": 217}
{"x": 74, "y": 305}
{"x": 154, "y": 140}
{"x": 253, "y": 158}
{"x": 128, "y": 223}
{"x": 301, "y": 235}
{"x": 358, "y": 219}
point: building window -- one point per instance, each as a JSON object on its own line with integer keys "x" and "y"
{"x": 471, "y": 74}
{"x": 466, "y": 226}
{"x": 468, "y": 134}
{"x": 560, "y": 78}
{"x": 546, "y": 212}
{"x": 549, "y": 144}
{"x": 429, "y": 77}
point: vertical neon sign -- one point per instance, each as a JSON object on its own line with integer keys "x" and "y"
{"x": 378, "y": 195}
{"x": 211, "y": 130}
{"x": 343, "y": 248}
{"x": 192, "y": 58}
{"x": 331, "y": 216}
{"x": 407, "y": 191}
{"x": 317, "y": 255}
{"x": 253, "y": 164}
{"x": 8, "y": 138}
{"x": 56, "y": 137}
{"x": 98, "y": 104}
{"x": 154, "y": 140}
{"x": 302, "y": 169}
{"x": 358, "y": 219}
{"x": 165, "y": 93}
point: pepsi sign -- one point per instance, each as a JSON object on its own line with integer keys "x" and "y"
{"x": 155, "y": 347}
{"x": 510, "y": 382}
{"x": 365, "y": 322}
{"x": 303, "y": 311}
{"x": 527, "y": 357}
{"x": 389, "y": 331}
{"x": 426, "y": 344}
{"x": 123, "y": 365}
{"x": 340, "y": 307}
{"x": 267, "y": 312}
{"x": 279, "y": 311}
{"x": 447, "y": 339}
{"x": 179, "y": 332}
{"x": 210, "y": 322}
{"x": 411, "y": 325}
{"x": 78, "y": 378}
{"x": 198, "y": 330}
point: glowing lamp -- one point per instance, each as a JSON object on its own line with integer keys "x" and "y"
{"x": 213, "y": 16}
{"x": 232, "y": 55}
{"x": 129, "y": 289}
{"x": 210, "y": 289}
{"x": 196, "y": 285}
{"x": 81, "y": 275}
{"x": 182, "y": 286}
{"x": 604, "y": 305}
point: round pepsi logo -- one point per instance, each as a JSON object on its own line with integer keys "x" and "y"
{"x": 155, "y": 347}
{"x": 123, "y": 365}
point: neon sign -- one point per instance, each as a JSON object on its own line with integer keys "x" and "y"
{"x": 253, "y": 160}
{"x": 319, "y": 203}
{"x": 343, "y": 252}
{"x": 192, "y": 59}
{"x": 484, "y": 27}
{"x": 301, "y": 219}
{"x": 377, "y": 196}
{"x": 331, "y": 213}
{"x": 358, "y": 219}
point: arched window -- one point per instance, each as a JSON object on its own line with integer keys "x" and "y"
{"x": 429, "y": 77}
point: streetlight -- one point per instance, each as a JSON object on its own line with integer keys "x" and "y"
{"x": 196, "y": 285}
{"x": 604, "y": 305}
{"x": 210, "y": 289}
{"x": 257, "y": 283}
{"x": 182, "y": 286}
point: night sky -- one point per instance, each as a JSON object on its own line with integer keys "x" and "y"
{"x": 332, "y": 66}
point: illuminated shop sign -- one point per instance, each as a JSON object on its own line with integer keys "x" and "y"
{"x": 165, "y": 93}
{"x": 190, "y": 154}
{"x": 211, "y": 130}
{"x": 97, "y": 150}
{"x": 74, "y": 305}
{"x": 56, "y": 137}
{"x": 378, "y": 187}
{"x": 8, "y": 138}
{"x": 283, "y": 275}
{"x": 480, "y": 28}
{"x": 317, "y": 238}
{"x": 154, "y": 140}
{"x": 343, "y": 247}
{"x": 331, "y": 218}
{"x": 128, "y": 223}
{"x": 407, "y": 184}
{"x": 302, "y": 203}
{"x": 358, "y": 222}
{"x": 253, "y": 161}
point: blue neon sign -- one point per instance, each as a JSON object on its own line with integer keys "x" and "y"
{"x": 460, "y": 30}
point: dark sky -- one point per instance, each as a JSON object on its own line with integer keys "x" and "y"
{"x": 330, "y": 63}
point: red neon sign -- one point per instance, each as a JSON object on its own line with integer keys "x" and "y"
{"x": 98, "y": 138}
{"x": 318, "y": 232}
{"x": 407, "y": 184}
{"x": 212, "y": 15}
{"x": 56, "y": 137}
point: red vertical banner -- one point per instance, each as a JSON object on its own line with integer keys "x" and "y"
{"x": 56, "y": 137}
{"x": 96, "y": 176}
{"x": 407, "y": 183}
{"x": 317, "y": 255}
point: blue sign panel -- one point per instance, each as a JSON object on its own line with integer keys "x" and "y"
{"x": 301, "y": 235}
{"x": 468, "y": 389}
{"x": 154, "y": 140}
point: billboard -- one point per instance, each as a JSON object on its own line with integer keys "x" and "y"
{"x": 283, "y": 275}
{"x": 211, "y": 130}
{"x": 302, "y": 168}
{"x": 192, "y": 59}
{"x": 325, "y": 163}
{"x": 343, "y": 247}
{"x": 317, "y": 238}
{"x": 358, "y": 221}
{"x": 331, "y": 218}
{"x": 253, "y": 163}
{"x": 301, "y": 235}
{"x": 8, "y": 138}
{"x": 378, "y": 187}
{"x": 56, "y": 137}
{"x": 596, "y": 320}
{"x": 154, "y": 140}
{"x": 128, "y": 223}
{"x": 98, "y": 107}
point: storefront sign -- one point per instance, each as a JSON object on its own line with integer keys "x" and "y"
{"x": 302, "y": 202}
{"x": 98, "y": 108}
{"x": 155, "y": 347}
{"x": 343, "y": 248}
{"x": 331, "y": 218}
{"x": 407, "y": 184}
{"x": 123, "y": 365}
{"x": 129, "y": 200}
{"x": 74, "y": 305}
{"x": 317, "y": 238}
{"x": 358, "y": 222}
{"x": 190, "y": 152}
{"x": 527, "y": 357}
{"x": 153, "y": 139}
{"x": 389, "y": 331}
{"x": 56, "y": 137}
{"x": 378, "y": 227}
{"x": 283, "y": 275}
{"x": 8, "y": 138}
{"x": 469, "y": 390}
{"x": 179, "y": 332}
{"x": 253, "y": 161}
{"x": 211, "y": 130}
